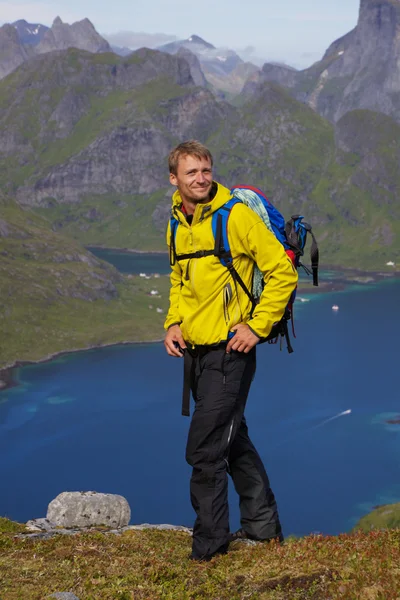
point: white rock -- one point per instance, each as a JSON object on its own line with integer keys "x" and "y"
{"x": 87, "y": 509}
{"x": 40, "y": 525}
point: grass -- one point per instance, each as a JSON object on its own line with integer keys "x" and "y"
{"x": 124, "y": 221}
{"x": 37, "y": 326}
{"x": 55, "y": 296}
{"x": 152, "y": 565}
{"x": 381, "y": 517}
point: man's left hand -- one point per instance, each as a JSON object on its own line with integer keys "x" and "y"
{"x": 243, "y": 340}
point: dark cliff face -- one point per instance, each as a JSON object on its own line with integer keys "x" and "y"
{"x": 359, "y": 70}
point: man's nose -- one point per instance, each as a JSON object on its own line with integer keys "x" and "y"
{"x": 200, "y": 177}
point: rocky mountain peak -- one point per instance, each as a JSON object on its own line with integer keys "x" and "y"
{"x": 80, "y": 34}
{"x": 195, "y": 67}
{"x": 195, "y": 39}
{"x": 358, "y": 71}
{"x": 29, "y": 33}
{"x": 12, "y": 52}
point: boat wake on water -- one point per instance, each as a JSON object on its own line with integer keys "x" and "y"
{"x": 325, "y": 422}
{"x": 341, "y": 414}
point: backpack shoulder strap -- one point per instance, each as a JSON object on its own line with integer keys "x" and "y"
{"x": 220, "y": 231}
{"x": 173, "y": 225}
{"x": 222, "y": 249}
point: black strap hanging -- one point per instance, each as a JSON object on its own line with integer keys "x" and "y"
{"x": 314, "y": 254}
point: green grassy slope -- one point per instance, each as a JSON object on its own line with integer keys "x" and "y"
{"x": 344, "y": 181}
{"x": 382, "y": 517}
{"x": 55, "y": 296}
{"x": 154, "y": 564}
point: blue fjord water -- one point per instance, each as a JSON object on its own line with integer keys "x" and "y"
{"x": 109, "y": 420}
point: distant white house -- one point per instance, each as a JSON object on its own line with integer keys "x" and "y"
{"x": 159, "y": 310}
{"x": 390, "y": 263}
{"x": 142, "y": 274}
{"x": 154, "y": 293}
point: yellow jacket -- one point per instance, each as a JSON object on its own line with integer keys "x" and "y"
{"x": 204, "y": 299}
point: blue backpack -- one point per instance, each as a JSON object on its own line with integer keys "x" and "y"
{"x": 292, "y": 235}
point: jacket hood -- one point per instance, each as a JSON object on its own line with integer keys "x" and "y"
{"x": 221, "y": 196}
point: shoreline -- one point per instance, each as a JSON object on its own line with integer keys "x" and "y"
{"x": 127, "y": 250}
{"x": 376, "y": 273}
{"x": 6, "y": 373}
{"x": 8, "y": 381}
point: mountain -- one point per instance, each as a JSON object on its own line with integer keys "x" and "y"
{"x": 121, "y": 51}
{"x": 29, "y": 33}
{"x": 358, "y": 71}
{"x": 195, "y": 67}
{"x": 222, "y": 68}
{"x": 12, "y": 52}
{"x": 85, "y": 137}
{"x": 194, "y": 43}
{"x": 21, "y": 41}
{"x": 80, "y": 35}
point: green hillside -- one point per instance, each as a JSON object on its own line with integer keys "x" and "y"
{"x": 55, "y": 296}
{"x": 382, "y": 517}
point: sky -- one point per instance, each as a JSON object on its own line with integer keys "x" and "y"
{"x": 290, "y": 31}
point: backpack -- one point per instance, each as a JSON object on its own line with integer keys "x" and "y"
{"x": 292, "y": 235}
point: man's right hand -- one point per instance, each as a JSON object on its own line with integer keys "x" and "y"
{"x": 174, "y": 342}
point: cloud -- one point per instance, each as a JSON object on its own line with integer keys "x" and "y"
{"x": 250, "y": 54}
{"x": 130, "y": 39}
{"x": 34, "y": 12}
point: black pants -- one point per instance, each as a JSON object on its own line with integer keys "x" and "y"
{"x": 218, "y": 443}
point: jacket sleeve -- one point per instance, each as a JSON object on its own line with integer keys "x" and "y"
{"x": 173, "y": 317}
{"x": 280, "y": 277}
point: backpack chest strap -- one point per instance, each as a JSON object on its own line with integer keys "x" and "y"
{"x": 198, "y": 254}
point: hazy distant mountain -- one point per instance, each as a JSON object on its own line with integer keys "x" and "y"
{"x": 121, "y": 51}
{"x": 359, "y": 70}
{"x": 218, "y": 60}
{"x": 135, "y": 40}
{"x": 80, "y": 35}
{"x": 29, "y": 33}
{"x": 223, "y": 68}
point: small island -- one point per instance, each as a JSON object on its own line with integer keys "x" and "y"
{"x": 395, "y": 421}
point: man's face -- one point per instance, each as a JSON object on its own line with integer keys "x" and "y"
{"x": 193, "y": 179}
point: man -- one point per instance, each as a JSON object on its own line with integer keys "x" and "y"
{"x": 210, "y": 321}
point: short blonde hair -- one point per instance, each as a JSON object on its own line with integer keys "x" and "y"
{"x": 189, "y": 148}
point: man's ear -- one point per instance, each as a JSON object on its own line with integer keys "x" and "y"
{"x": 172, "y": 179}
